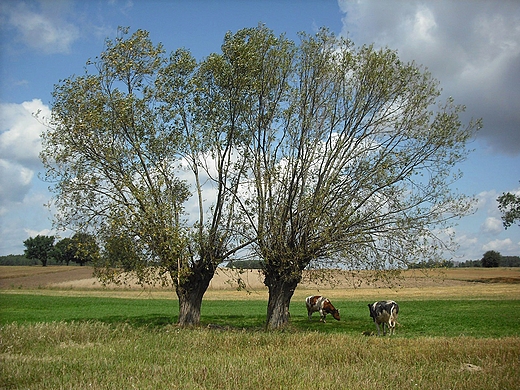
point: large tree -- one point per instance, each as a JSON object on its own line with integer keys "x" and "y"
{"x": 39, "y": 248}
{"x": 118, "y": 143}
{"x": 351, "y": 155}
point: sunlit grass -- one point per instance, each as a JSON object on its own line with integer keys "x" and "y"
{"x": 450, "y": 318}
{"x": 97, "y": 355}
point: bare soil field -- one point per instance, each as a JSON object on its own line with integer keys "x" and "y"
{"x": 450, "y": 283}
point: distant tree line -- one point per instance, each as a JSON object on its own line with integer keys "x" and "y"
{"x": 432, "y": 264}
{"x": 489, "y": 259}
{"x": 493, "y": 261}
{"x": 81, "y": 248}
{"x": 245, "y": 264}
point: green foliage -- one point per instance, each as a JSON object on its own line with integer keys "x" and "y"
{"x": 64, "y": 251}
{"x": 510, "y": 261}
{"x": 39, "y": 248}
{"x": 491, "y": 259}
{"x": 432, "y": 264}
{"x": 245, "y": 264}
{"x": 343, "y": 156}
{"x": 17, "y": 260}
{"x": 471, "y": 263}
{"x": 85, "y": 248}
{"x": 509, "y": 205}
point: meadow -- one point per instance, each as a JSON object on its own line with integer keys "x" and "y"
{"x": 454, "y": 333}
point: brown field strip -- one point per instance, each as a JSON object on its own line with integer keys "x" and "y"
{"x": 455, "y": 283}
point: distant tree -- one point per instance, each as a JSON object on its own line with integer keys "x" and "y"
{"x": 40, "y": 248}
{"x": 509, "y": 205}
{"x": 510, "y": 261}
{"x": 64, "y": 251}
{"x": 17, "y": 260}
{"x": 86, "y": 249}
{"x": 491, "y": 259}
{"x": 470, "y": 263}
{"x": 432, "y": 264}
{"x": 245, "y": 264}
{"x": 120, "y": 251}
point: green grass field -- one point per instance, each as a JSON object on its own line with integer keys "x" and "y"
{"x": 448, "y": 318}
{"x": 449, "y": 338}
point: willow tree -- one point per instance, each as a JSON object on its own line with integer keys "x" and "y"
{"x": 123, "y": 146}
{"x": 351, "y": 156}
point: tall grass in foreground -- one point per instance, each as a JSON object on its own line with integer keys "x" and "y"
{"x": 95, "y": 355}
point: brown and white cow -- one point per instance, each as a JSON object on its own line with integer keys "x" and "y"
{"x": 321, "y": 304}
{"x": 384, "y": 312}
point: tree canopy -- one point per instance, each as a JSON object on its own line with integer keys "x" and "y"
{"x": 304, "y": 154}
{"x": 509, "y": 205}
{"x": 491, "y": 259}
{"x": 39, "y": 247}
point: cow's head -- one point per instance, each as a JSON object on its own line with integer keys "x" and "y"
{"x": 372, "y": 312}
{"x": 335, "y": 314}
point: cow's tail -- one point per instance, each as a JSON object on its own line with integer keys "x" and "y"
{"x": 394, "y": 311}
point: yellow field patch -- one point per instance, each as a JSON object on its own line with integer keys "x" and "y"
{"x": 453, "y": 283}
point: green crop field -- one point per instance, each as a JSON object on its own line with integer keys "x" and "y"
{"x": 450, "y": 337}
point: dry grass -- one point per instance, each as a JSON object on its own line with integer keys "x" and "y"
{"x": 95, "y": 355}
{"x": 99, "y": 356}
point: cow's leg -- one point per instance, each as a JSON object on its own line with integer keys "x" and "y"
{"x": 309, "y": 314}
{"x": 378, "y": 331}
{"x": 391, "y": 325}
{"x": 322, "y": 316}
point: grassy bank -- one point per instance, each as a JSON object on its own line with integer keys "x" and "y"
{"x": 96, "y": 355}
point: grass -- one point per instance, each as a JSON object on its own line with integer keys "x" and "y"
{"x": 450, "y": 338}
{"x": 447, "y": 318}
{"x": 96, "y": 355}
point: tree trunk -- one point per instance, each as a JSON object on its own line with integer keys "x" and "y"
{"x": 190, "y": 294}
{"x": 190, "y": 302}
{"x": 281, "y": 289}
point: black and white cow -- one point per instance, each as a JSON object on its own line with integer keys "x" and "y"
{"x": 323, "y": 305}
{"x": 384, "y": 312}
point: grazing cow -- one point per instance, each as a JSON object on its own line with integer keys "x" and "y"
{"x": 384, "y": 312}
{"x": 321, "y": 304}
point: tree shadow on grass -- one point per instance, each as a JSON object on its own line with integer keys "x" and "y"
{"x": 151, "y": 321}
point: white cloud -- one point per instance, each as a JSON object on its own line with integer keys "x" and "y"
{"x": 20, "y": 132}
{"x": 42, "y": 28}
{"x": 473, "y": 48}
{"x": 19, "y": 148}
{"x": 492, "y": 225}
{"x": 503, "y": 246}
{"x": 15, "y": 182}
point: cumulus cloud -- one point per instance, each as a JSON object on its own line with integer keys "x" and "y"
{"x": 505, "y": 245}
{"x": 20, "y": 132}
{"x": 492, "y": 225}
{"x": 473, "y": 48}
{"x": 41, "y": 28}
{"x": 19, "y": 148}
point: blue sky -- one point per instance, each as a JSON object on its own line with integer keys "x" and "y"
{"x": 472, "y": 48}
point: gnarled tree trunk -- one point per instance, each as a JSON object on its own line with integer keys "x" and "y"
{"x": 281, "y": 289}
{"x": 190, "y": 293}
